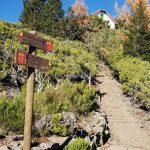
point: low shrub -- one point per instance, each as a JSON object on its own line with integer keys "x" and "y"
{"x": 57, "y": 128}
{"x": 77, "y": 97}
{"x": 78, "y": 144}
{"x": 12, "y": 114}
{"x": 134, "y": 75}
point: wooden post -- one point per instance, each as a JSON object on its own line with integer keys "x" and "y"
{"x": 29, "y": 104}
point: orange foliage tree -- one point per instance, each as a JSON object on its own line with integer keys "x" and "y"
{"x": 81, "y": 11}
{"x": 80, "y": 8}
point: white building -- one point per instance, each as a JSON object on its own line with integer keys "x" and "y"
{"x": 106, "y": 17}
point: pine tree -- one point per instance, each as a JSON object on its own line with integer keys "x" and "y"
{"x": 32, "y": 14}
{"x": 52, "y": 15}
{"x": 72, "y": 28}
{"x": 138, "y": 43}
{"x": 43, "y": 15}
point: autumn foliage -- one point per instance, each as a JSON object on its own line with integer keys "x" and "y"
{"x": 81, "y": 11}
{"x": 138, "y": 6}
{"x": 80, "y": 8}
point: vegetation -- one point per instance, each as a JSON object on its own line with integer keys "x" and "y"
{"x": 133, "y": 72}
{"x": 57, "y": 128}
{"x": 64, "y": 88}
{"x": 78, "y": 98}
{"x": 126, "y": 48}
{"x": 78, "y": 144}
{"x": 42, "y": 15}
{"x": 12, "y": 114}
{"x": 75, "y": 97}
{"x": 138, "y": 43}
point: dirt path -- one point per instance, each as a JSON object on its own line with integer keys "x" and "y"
{"x": 127, "y": 132}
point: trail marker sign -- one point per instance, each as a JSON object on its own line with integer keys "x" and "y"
{"x": 32, "y": 62}
{"x": 38, "y": 62}
{"x": 38, "y": 42}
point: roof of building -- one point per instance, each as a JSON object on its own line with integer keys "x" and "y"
{"x": 105, "y": 12}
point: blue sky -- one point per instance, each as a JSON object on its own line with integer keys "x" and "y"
{"x": 10, "y": 10}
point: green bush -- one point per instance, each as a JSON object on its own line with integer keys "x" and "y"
{"x": 57, "y": 128}
{"x": 134, "y": 75}
{"x": 12, "y": 114}
{"x": 77, "y": 97}
{"x": 78, "y": 144}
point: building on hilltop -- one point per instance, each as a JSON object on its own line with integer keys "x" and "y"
{"x": 106, "y": 17}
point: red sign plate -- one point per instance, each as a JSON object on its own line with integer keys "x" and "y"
{"x": 21, "y": 58}
{"x": 33, "y": 40}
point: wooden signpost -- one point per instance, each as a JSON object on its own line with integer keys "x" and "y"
{"x": 32, "y": 62}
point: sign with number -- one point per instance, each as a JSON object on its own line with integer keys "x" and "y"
{"x": 33, "y": 40}
{"x": 21, "y": 58}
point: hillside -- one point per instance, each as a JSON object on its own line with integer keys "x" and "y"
{"x": 97, "y": 90}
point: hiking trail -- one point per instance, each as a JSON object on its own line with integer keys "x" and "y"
{"x": 128, "y": 132}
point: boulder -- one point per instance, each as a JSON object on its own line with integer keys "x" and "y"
{"x": 35, "y": 148}
{"x": 17, "y": 148}
{"x": 14, "y": 138}
{"x": 45, "y": 122}
{"x": 18, "y": 138}
{"x": 70, "y": 120}
{"x": 95, "y": 127}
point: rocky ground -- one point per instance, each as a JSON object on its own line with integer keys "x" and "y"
{"x": 93, "y": 128}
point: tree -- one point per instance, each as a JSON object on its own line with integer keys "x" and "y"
{"x": 43, "y": 15}
{"x": 70, "y": 27}
{"x": 96, "y": 23}
{"x": 32, "y": 14}
{"x": 52, "y": 15}
{"x": 72, "y": 61}
{"x": 138, "y": 43}
{"x": 81, "y": 11}
{"x": 80, "y": 8}
{"x": 123, "y": 15}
